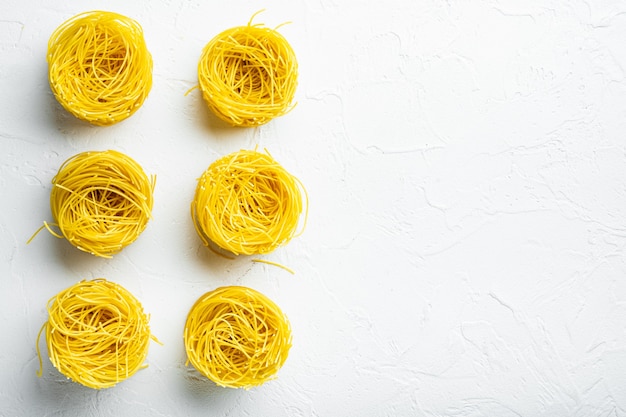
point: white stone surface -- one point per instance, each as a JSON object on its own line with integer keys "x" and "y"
{"x": 465, "y": 250}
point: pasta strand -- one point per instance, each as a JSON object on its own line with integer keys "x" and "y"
{"x": 237, "y": 337}
{"x": 99, "y": 67}
{"x": 248, "y": 75}
{"x": 97, "y": 334}
{"x": 247, "y": 203}
{"x": 100, "y": 201}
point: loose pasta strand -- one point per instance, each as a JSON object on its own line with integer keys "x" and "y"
{"x": 99, "y": 67}
{"x": 247, "y": 203}
{"x": 248, "y": 75}
{"x": 265, "y": 261}
{"x": 237, "y": 337}
{"x": 97, "y": 334}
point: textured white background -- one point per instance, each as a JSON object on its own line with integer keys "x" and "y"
{"x": 465, "y": 250}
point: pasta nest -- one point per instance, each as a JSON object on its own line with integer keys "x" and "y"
{"x": 237, "y": 337}
{"x": 248, "y": 75}
{"x": 99, "y": 67}
{"x": 101, "y": 201}
{"x": 97, "y": 333}
{"x": 247, "y": 203}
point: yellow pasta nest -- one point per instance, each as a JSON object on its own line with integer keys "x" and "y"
{"x": 247, "y": 203}
{"x": 248, "y": 75}
{"x": 237, "y": 337}
{"x": 97, "y": 333}
{"x": 101, "y": 201}
{"x": 99, "y": 67}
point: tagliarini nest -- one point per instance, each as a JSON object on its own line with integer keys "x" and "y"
{"x": 97, "y": 333}
{"x": 237, "y": 337}
{"x": 101, "y": 201}
{"x": 99, "y": 66}
{"x": 248, "y": 75}
{"x": 248, "y": 204}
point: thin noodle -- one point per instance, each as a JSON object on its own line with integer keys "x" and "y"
{"x": 248, "y": 75}
{"x": 101, "y": 201}
{"x": 97, "y": 334}
{"x": 237, "y": 337}
{"x": 99, "y": 67}
{"x": 247, "y": 203}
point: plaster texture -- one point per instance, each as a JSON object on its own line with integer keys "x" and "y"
{"x": 465, "y": 252}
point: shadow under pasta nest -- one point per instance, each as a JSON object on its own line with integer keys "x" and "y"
{"x": 223, "y": 264}
{"x": 62, "y": 120}
{"x": 200, "y": 388}
{"x": 55, "y": 388}
{"x": 75, "y": 258}
{"x": 207, "y": 120}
